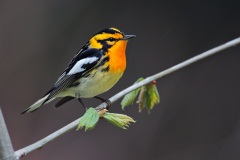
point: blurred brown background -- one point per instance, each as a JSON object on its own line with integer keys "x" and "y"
{"x": 198, "y": 117}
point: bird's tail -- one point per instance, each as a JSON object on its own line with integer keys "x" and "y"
{"x": 38, "y": 104}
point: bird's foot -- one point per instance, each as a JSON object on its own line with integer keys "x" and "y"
{"x": 80, "y": 100}
{"x": 107, "y": 101}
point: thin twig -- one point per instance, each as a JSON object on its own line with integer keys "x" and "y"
{"x": 119, "y": 95}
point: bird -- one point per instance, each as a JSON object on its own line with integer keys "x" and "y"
{"x": 95, "y": 69}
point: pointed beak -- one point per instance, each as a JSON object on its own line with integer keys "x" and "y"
{"x": 127, "y": 37}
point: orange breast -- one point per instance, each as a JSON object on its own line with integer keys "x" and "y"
{"x": 117, "y": 57}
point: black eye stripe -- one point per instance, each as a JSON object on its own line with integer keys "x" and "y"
{"x": 108, "y": 39}
{"x": 111, "y": 39}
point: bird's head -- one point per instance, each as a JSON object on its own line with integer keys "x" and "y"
{"x": 109, "y": 37}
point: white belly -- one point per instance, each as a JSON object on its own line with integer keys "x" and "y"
{"x": 93, "y": 85}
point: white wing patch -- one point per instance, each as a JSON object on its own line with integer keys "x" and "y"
{"x": 78, "y": 66}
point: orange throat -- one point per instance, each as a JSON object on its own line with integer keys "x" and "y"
{"x": 117, "y": 57}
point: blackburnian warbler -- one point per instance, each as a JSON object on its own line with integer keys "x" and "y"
{"x": 96, "y": 68}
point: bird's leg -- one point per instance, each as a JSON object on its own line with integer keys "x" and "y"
{"x": 80, "y": 100}
{"x": 107, "y": 101}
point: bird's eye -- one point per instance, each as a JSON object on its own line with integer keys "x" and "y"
{"x": 112, "y": 39}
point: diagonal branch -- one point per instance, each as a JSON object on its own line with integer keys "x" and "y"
{"x": 44, "y": 141}
{"x": 6, "y": 148}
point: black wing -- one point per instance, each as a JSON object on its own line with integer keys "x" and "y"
{"x": 82, "y": 62}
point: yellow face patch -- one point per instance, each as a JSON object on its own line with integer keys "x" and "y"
{"x": 104, "y": 36}
{"x": 94, "y": 41}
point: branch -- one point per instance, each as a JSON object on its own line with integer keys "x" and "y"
{"x": 119, "y": 95}
{"x": 6, "y": 148}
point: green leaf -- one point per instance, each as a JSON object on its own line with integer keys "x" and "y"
{"x": 142, "y": 98}
{"x": 153, "y": 97}
{"x": 89, "y": 119}
{"x": 131, "y": 96}
{"x": 119, "y": 120}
